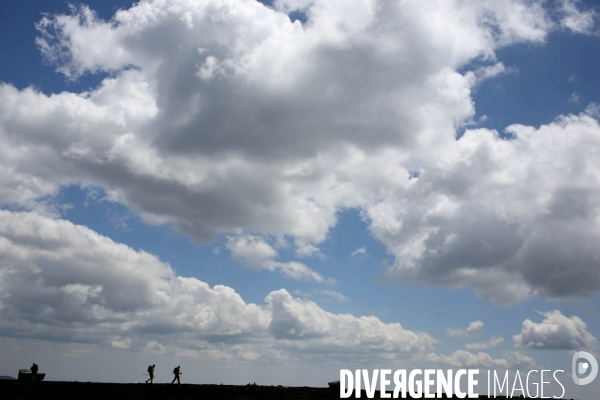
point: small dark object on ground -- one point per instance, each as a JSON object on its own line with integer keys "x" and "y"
{"x": 25, "y": 376}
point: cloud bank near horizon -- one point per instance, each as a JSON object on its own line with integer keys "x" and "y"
{"x": 64, "y": 282}
{"x": 227, "y": 118}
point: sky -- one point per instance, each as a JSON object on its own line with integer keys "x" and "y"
{"x": 273, "y": 191}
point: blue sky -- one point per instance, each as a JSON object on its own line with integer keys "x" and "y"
{"x": 374, "y": 184}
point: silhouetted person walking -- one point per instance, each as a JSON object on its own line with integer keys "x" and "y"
{"x": 151, "y": 372}
{"x": 177, "y": 372}
{"x": 34, "y": 370}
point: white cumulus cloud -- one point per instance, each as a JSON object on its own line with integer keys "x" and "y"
{"x": 255, "y": 252}
{"x": 556, "y": 332}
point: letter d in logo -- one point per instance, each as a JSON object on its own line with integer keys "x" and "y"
{"x": 583, "y": 367}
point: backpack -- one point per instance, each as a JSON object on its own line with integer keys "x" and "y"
{"x": 176, "y": 371}
{"x": 150, "y": 368}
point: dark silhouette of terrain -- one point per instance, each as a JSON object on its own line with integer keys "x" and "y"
{"x": 8, "y": 378}
{"x": 92, "y": 391}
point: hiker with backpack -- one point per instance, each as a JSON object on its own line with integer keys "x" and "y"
{"x": 151, "y": 372}
{"x": 177, "y": 372}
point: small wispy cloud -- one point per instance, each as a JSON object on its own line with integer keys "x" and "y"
{"x": 300, "y": 293}
{"x": 576, "y": 19}
{"x": 118, "y": 221}
{"x": 333, "y": 295}
{"x": 480, "y": 74}
{"x": 304, "y": 249}
{"x": 76, "y": 353}
{"x": 473, "y": 329}
{"x": 491, "y": 344}
{"x": 575, "y": 98}
{"x": 360, "y": 250}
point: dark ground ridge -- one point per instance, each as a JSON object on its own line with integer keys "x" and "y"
{"x": 10, "y": 390}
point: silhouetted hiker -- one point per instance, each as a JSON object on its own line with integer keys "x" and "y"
{"x": 177, "y": 372}
{"x": 151, "y": 372}
{"x": 34, "y": 370}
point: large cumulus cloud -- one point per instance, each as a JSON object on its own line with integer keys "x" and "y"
{"x": 511, "y": 218}
{"x": 224, "y": 116}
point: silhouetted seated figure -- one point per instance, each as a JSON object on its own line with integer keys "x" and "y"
{"x": 34, "y": 371}
{"x": 177, "y": 372}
